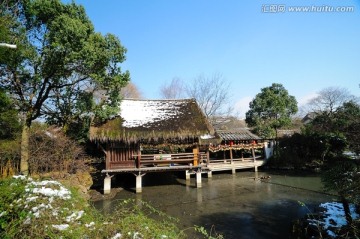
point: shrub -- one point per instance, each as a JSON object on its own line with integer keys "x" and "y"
{"x": 9, "y": 157}
{"x": 52, "y": 151}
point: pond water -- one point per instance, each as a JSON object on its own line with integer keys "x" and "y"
{"x": 237, "y": 206}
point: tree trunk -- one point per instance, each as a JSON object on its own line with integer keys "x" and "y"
{"x": 24, "y": 161}
{"x": 348, "y": 217}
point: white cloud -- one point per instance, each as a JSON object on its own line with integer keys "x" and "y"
{"x": 303, "y": 100}
{"x": 242, "y": 106}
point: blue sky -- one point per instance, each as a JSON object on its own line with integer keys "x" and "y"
{"x": 250, "y": 48}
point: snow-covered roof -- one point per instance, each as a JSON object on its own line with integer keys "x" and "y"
{"x": 144, "y": 119}
{"x": 146, "y": 113}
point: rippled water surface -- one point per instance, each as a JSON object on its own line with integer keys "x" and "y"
{"x": 237, "y": 206}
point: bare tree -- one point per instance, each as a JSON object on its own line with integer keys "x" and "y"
{"x": 329, "y": 99}
{"x": 131, "y": 91}
{"x": 212, "y": 94}
{"x": 175, "y": 90}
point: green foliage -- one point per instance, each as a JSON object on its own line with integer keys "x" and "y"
{"x": 9, "y": 193}
{"x": 343, "y": 177}
{"x": 28, "y": 213}
{"x": 348, "y": 121}
{"x": 325, "y": 138}
{"x": 206, "y": 234}
{"x": 60, "y": 63}
{"x": 270, "y": 110}
{"x": 339, "y": 130}
{"x": 9, "y": 120}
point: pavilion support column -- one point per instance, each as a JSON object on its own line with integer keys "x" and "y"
{"x": 209, "y": 174}
{"x": 253, "y": 153}
{"x": 187, "y": 175}
{"x": 196, "y": 156}
{"x": 233, "y": 170}
{"x": 138, "y": 187}
{"x": 107, "y": 184}
{"x": 198, "y": 179}
{"x": 207, "y": 157}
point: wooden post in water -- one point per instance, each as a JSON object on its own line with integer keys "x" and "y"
{"x": 198, "y": 179}
{"x": 138, "y": 188}
{"x": 107, "y": 184}
{"x": 253, "y": 154}
{"x": 233, "y": 169}
{"x": 187, "y": 175}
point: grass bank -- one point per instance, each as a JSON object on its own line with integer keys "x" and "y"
{"x": 47, "y": 209}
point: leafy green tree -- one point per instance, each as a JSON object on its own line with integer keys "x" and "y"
{"x": 59, "y": 56}
{"x": 270, "y": 110}
{"x": 335, "y": 129}
{"x": 343, "y": 177}
{"x": 9, "y": 120}
{"x": 348, "y": 121}
{"x": 340, "y": 129}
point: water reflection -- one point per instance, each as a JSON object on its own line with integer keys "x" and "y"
{"x": 238, "y": 206}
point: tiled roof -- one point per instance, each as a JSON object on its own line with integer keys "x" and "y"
{"x": 236, "y": 134}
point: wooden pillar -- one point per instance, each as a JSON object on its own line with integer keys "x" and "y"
{"x": 196, "y": 156}
{"x": 138, "y": 160}
{"x": 209, "y": 174}
{"x": 253, "y": 153}
{"x": 108, "y": 156}
{"x": 233, "y": 169}
{"x": 107, "y": 184}
{"x": 207, "y": 157}
{"x": 198, "y": 179}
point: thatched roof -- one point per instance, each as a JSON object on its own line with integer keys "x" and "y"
{"x": 153, "y": 120}
{"x": 237, "y": 135}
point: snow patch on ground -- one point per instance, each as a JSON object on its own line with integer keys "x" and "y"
{"x": 43, "y": 196}
{"x": 333, "y": 217}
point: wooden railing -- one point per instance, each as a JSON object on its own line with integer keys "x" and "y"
{"x": 151, "y": 160}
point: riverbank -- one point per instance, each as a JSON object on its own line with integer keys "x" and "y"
{"x": 46, "y": 208}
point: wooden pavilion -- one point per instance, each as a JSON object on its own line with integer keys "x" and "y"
{"x": 153, "y": 136}
{"x": 239, "y": 148}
